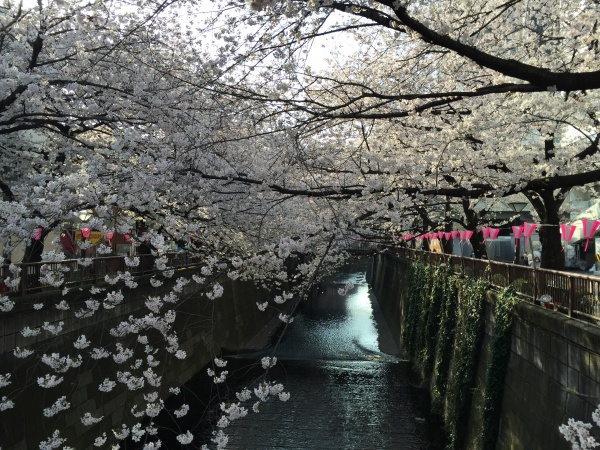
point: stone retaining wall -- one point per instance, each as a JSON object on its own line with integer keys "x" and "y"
{"x": 204, "y": 328}
{"x": 551, "y": 354}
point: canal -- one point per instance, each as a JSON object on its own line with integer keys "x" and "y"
{"x": 349, "y": 386}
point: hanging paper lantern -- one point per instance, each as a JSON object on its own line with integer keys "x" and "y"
{"x": 493, "y": 233}
{"x": 127, "y": 237}
{"x": 589, "y": 229}
{"x": 528, "y": 229}
{"x": 85, "y": 232}
{"x": 517, "y": 231}
{"x": 109, "y": 236}
{"x": 485, "y": 232}
{"x": 37, "y": 234}
{"x": 567, "y": 231}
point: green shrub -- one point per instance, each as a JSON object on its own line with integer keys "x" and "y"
{"x": 499, "y": 280}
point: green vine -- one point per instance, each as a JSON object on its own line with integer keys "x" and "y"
{"x": 443, "y": 331}
{"x": 468, "y": 339}
{"x": 445, "y": 341}
{"x": 428, "y": 321}
{"x": 416, "y": 279}
{"x": 496, "y": 369}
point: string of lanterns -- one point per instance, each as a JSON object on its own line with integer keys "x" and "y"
{"x": 589, "y": 228}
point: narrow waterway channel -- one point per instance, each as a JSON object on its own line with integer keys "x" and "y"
{"x": 349, "y": 387}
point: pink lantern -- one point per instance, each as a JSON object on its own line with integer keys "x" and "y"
{"x": 127, "y": 237}
{"x": 493, "y": 232}
{"x": 528, "y": 229}
{"x": 589, "y": 229}
{"x": 109, "y": 236}
{"x": 517, "y": 231}
{"x": 37, "y": 234}
{"x": 567, "y": 231}
{"x": 85, "y": 232}
{"x": 485, "y": 232}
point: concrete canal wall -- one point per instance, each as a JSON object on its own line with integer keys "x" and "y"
{"x": 551, "y": 357}
{"x": 204, "y": 328}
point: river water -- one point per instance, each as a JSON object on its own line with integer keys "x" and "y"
{"x": 349, "y": 387}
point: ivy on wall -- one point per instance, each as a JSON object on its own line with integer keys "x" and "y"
{"x": 443, "y": 337}
{"x": 445, "y": 342}
{"x": 467, "y": 346}
{"x": 416, "y": 278}
{"x": 429, "y": 319}
{"x": 442, "y": 331}
{"x": 496, "y": 368}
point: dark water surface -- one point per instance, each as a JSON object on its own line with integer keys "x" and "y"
{"x": 349, "y": 388}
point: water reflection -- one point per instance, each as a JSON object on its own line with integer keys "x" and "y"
{"x": 332, "y": 326}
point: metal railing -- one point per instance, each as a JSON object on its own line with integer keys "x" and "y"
{"x": 76, "y": 274}
{"x": 571, "y": 293}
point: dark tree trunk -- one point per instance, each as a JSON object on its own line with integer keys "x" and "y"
{"x": 448, "y": 244}
{"x": 34, "y": 250}
{"x": 552, "y": 255}
{"x": 472, "y": 223}
{"x": 547, "y": 207}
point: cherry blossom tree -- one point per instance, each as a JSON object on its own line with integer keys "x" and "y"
{"x": 111, "y": 110}
{"x": 456, "y": 90}
{"x": 201, "y": 123}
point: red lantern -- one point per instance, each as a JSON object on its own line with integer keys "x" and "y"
{"x": 85, "y": 232}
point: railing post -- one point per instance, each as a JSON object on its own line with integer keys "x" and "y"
{"x": 571, "y": 295}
